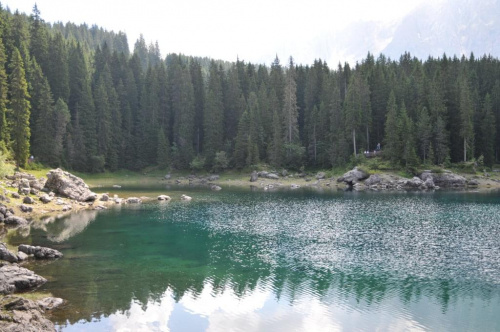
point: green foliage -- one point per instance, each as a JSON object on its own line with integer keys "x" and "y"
{"x": 221, "y": 162}
{"x": 5, "y": 167}
{"x": 198, "y": 163}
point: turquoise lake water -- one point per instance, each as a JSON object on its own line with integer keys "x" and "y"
{"x": 279, "y": 261}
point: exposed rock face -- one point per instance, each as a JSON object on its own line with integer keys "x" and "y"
{"x": 7, "y": 255}
{"x": 353, "y": 176}
{"x": 254, "y": 176}
{"x": 22, "y": 315}
{"x": 40, "y": 252}
{"x": 14, "y": 278}
{"x": 445, "y": 179}
{"x": 68, "y": 185}
{"x": 133, "y": 200}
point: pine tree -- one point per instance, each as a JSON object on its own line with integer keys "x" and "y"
{"x": 392, "y": 148}
{"x": 42, "y": 126}
{"x": 163, "y": 150}
{"x": 4, "y": 130}
{"x": 39, "y": 40}
{"x": 20, "y": 110}
{"x": 424, "y": 133}
{"x": 290, "y": 110}
{"x": 61, "y": 119}
{"x": 488, "y": 131}
{"x": 466, "y": 113}
{"x": 213, "y": 119}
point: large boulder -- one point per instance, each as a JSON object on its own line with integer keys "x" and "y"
{"x": 20, "y": 314}
{"x": 6, "y": 254}
{"x": 353, "y": 176}
{"x": 14, "y": 278}
{"x": 69, "y": 185}
{"x": 39, "y": 252}
{"x": 445, "y": 179}
{"x": 373, "y": 180}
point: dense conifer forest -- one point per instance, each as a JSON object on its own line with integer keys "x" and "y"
{"x": 75, "y": 96}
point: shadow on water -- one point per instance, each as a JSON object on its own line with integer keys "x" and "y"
{"x": 390, "y": 255}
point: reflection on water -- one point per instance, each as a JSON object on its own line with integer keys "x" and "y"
{"x": 281, "y": 262}
{"x": 68, "y": 227}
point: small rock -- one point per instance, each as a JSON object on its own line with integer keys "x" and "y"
{"x": 50, "y": 303}
{"x": 21, "y": 256}
{"x": 168, "y": 176}
{"x": 100, "y": 207}
{"x": 15, "y": 195}
{"x": 164, "y": 198}
{"x": 67, "y": 208}
{"x": 26, "y": 208}
{"x": 213, "y": 177}
{"x": 104, "y": 198}
{"x": 59, "y": 201}
{"x": 33, "y": 191}
{"x": 133, "y": 200}
{"x": 215, "y": 187}
{"x": 28, "y": 200}
{"x": 118, "y": 200}
{"x": 294, "y": 186}
{"x": 24, "y": 191}
{"x": 46, "y": 199}
{"x": 116, "y": 186}
{"x": 273, "y": 176}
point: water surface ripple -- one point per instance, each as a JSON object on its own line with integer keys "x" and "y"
{"x": 281, "y": 261}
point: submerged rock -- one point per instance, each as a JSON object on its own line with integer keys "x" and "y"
{"x": 69, "y": 185}
{"x": 40, "y": 252}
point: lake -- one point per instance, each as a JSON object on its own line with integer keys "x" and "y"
{"x": 238, "y": 260}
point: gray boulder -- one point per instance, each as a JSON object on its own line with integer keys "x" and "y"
{"x": 49, "y": 303}
{"x": 20, "y": 314}
{"x": 39, "y": 252}
{"x": 353, "y": 176}
{"x": 213, "y": 177}
{"x": 6, "y": 254}
{"x": 373, "y": 180}
{"x": 164, "y": 198}
{"x": 21, "y": 256}
{"x": 14, "y": 278}
{"x": 215, "y": 187}
{"x": 320, "y": 176}
{"x": 445, "y": 179}
{"x": 414, "y": 183}
{"x": 69, "y": 185}
{"x": 46, "y": 199}
{"x": 472, "y": 183}
{"x": 429, "y": 183}
{"x": 104, "y": 198}
{"x": 273, "y": 176}
{"x": 15, "y": 195}
{"x": 15, "y": 220}
{"x": 254, "y": 176}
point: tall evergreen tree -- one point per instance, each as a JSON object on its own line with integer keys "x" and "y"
{"x": 213, "y": 119}
{"x": 4, "y": 130}
{"x": 20, "y": 110}
{"x": 488, "y": 132}
{"x": 290, "y": 110}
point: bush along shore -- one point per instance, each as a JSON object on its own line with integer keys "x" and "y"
{"x": 25, "y": 198}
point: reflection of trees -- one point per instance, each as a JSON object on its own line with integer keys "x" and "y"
{"x": 95, "y": 286}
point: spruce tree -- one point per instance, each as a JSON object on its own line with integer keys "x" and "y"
{"x": 4, "y": 130}
{"x": 488, "y": 132}
{"x": 290, "y": 110}
{"x": 163, "y": 150}
{"x": 424, "y": 133}
{"x": 61, "y": 119}
{"x": 20, "y": 110}
{"x": 213, "y": 119}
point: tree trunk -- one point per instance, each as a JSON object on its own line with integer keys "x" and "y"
{"x": 465, "y": 150}
{"x": 354, "y": 141}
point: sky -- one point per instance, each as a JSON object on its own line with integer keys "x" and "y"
{"x": 254, "y": 31}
